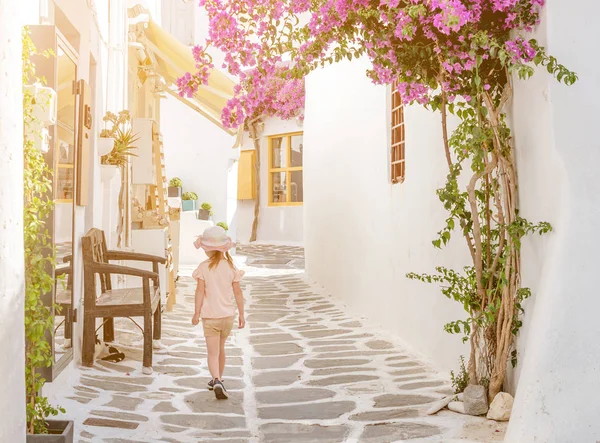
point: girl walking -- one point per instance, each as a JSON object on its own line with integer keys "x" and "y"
{"x": 218, "y": 284}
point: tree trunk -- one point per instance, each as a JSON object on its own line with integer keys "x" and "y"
{"x": 12, "y": 272}
{"x": 255, "y": 136}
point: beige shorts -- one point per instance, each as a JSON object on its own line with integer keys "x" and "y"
{"x": 217, "y": 327}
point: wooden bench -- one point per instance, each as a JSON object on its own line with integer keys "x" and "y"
{"x": 108, "y": 303}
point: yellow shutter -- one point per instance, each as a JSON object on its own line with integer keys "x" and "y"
{"x": 246, "y": 176}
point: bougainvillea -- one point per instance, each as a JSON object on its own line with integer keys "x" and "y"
{"x": 253, "y": 36}
{"x": 452, "y": 56}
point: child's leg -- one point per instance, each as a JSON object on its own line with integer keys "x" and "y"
{"x": 222, "y": 356}
{"x": 213, "y": 347}
{"x": 227, "y": 326}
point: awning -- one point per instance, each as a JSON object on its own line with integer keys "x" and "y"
{"x": 171, "y": 59}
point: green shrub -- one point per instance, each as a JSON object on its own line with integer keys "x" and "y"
{"x": 189, "y": 196}
{"x": 207, "y": 207}
{"x": 460, "y": 381}
{"x": 223, "y": 225}
{"x": 176, "y": 183}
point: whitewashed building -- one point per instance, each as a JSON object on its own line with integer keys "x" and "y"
{"x": 363, "y": 232}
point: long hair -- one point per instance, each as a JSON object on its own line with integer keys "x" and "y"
{"x": 215, "y": 258}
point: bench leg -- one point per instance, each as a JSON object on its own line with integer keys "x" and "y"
{"x": 109, "y": 329}
{"x": 89, "y": 340}
{"x": 158, "y": 322}
{"x": 147, "y": 369}
{"x": 68, "y": 323}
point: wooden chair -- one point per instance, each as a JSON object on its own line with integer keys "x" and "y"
{"x": 62, "y": 296}
{"x": 131, "y": 302}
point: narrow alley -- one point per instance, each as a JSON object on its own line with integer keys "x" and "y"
{"x": 303, "y": 371}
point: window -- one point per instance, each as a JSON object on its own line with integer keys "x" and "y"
{"x": 285, "y": 170}
{"x": 398, "y": 165}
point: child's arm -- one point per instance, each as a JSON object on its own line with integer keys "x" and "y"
{"x": 199, "y": 300}
{"x": 239, "y": 300}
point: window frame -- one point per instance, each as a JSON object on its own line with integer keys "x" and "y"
{"x": 287, "y": 137}
{"x": 397, "y": 157}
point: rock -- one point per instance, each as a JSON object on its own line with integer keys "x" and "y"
{"x": 475, "y": 399}
{"x": 439, "y": 405}
{"x": 501, "y": 407}
{"x": 457, "y": 406}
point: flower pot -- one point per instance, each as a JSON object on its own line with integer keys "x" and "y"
{"x": 59, "y": 431}
{"x": 188, "y": 205}
{"x": 174, "y": 191}
{"x": 203, "y": 214}
{"x": 105, "y": 145}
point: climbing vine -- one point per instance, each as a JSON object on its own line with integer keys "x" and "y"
{"x": 455, "y": 57}
{"x": 39, "y": 257}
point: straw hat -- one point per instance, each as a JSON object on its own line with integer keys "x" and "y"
{"x": 214, "y": 239}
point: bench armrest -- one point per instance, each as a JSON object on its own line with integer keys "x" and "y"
{"x": 123, "y": 270}
{"x": 134, "y": 256}
{"x": 62, "y": 271}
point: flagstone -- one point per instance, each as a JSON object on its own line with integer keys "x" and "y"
{"x": 396, "y": 400}
{"x": 380, "y": 344}
{"x": 385, "y": 415}
{"x": 120, "y": 415}
{"x": 276, "y": 378}
{"x": 386, "y": 432}
{"x": 314, "y": 411}
{"x": 124, "y": 403}
{"x": 164, "y": 406}
{"x": 342, "y": 379}
{"x": 275, "y": 362}
{"x": 297, "y": 395}
{"x": 204, "y": 421}
{"x": 302, "y": 433}
{"x": 271, "y": 338}
{"x": 332, "y": 363}
{"x": 279, "y": 349}
{"x": 112, "y": 385}
{"x": 423, "y": 384}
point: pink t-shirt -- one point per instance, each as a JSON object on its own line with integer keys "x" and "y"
{"x": 218, "y": 281}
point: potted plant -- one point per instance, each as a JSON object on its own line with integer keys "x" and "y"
{"x": 223, "y": 225}
{"x": 175, "y": 186}
{"x": 205, "y": 211}
{"x": 124, "y": 139}
{"x": 38, "y": 259}
{"x": 123, "y": 147}
{"x": 189, "y": 201}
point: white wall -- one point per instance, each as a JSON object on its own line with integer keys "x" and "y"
{"x": 363, "y": 234}
{"x": 559, "y": 148}
{"x": 12, "y": 282}
{"x": 198, "y": 152}
{"x": 90, "y": 46}
{"x": 277, "y": 224}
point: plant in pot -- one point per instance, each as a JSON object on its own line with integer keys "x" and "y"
{"x": 175, "y": 186}
{"x": 123, "y": 147}
{"x": 223, "y": 225}
{"x": 39, "y": 257}
{"x": 205, "y": 211}
{"x": 189, "y": 201}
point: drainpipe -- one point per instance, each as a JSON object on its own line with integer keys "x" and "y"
{"x": 12, "y": 273}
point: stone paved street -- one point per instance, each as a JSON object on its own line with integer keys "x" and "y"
{"x": 304, "y": 371}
